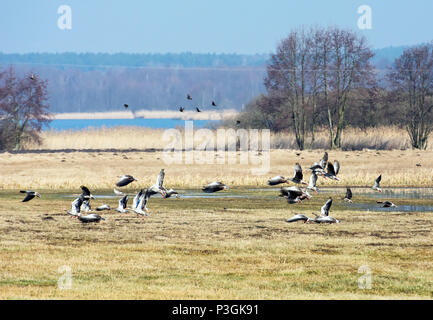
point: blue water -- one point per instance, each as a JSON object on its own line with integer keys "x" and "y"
{"x": 78, "y": 124}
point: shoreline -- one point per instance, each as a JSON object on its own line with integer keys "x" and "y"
{"x": 148, "y": 114}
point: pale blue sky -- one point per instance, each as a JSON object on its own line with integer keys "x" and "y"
{"x": 201, "y": 26}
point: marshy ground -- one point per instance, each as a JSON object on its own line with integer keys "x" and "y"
{"x": 234, "y": 245}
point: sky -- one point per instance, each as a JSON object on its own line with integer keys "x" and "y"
{"x": 200, "y": 26}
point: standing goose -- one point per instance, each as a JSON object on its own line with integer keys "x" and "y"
{"x": 348, "y": 197}
{"x": 297, "y": 178}
{"x": 214, "y": 187}
{"x": 387, "y": 204}
{"x": 30, "y": 195}
{"x": 276, "y": 180}
{"x": 125, "y": 180}
{"x": 333, "y": 170}
{"x": 312, "y": 182}
{"x": 376, "y": 185}
{"x": 122, "y": 205}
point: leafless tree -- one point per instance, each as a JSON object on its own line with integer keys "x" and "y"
{"x": 23, "y": 108}
{"x": 412, "y": 82}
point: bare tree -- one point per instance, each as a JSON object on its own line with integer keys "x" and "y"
{"x": 23, "y": 109}
{"x": 411, "y": 79}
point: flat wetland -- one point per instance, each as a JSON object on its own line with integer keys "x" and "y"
{"x": 234, "y": 244}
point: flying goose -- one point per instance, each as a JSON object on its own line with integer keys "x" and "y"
{"x": 75, "y": 207}
{"x": 126, "y": 106}
{"x": 158, "y": 186}
{"x": 312, "y": 182}
{"x": 387, "y": 204}
{"x": 188, "y": 96}
{"x": 348, "y": 197}
{"x": 136, "y": 199}
{"x": 142, "y": 202}
{"x": 30, "y": 195}
{"x": 85, "y": 206}
{"x": 324, "y": 214}
{"x": 117, "y": 192}
{"x": 294, "y": 194}
{"x": 276, "y": 180}
{"x": 103, "y": 207}
{"x": 214, "y": 104}
{"x": 93, "y": 217}
{"x": 319, "y": 167}
{"x": 214, "y": 187}
{"x": 170, "y": 193}
{"x": 333, "y": 170}
{"x": 122, "y": 205}
{"x": 376, "y": 185}
{"x": 297, "y": 178}
{"x": 198, "y": 110}
{"x": 181, "y": 109}
{"x": 85, "y": 195}
{"x": 299, "y": 217}
{"x": 125, "y": 180}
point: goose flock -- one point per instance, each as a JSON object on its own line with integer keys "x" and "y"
{"x": 293, "y": 194}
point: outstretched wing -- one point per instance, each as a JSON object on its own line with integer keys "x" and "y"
{"x": 331, "y": 169}
{"x": 297, "y": 217}
{"x": 160, "y": 179}
{"x": 325, "y": 209}
{"x": 336, "y": 167}
{"x": 313, "y": 180}
{"x": 28, "y": 197}
{"x": 376, "y": 183}
{"x": 86, "y": 190}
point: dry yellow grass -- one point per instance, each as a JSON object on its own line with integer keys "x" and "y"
{"x": 194, "y": 249}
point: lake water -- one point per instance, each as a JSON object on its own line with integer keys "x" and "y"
{"x": 78, "y": 124}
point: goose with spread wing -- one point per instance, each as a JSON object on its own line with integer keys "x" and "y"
{"x": 158, "y": 186}
{"x": 387, "y": 204}
{"x": 29, "y": 195}
{"x": 122, "y": 204}
{"x": 319, "y": 167}
{"x": 294, "y": 194}
{"x": 348, "y": 197}
{"x": 312, "y": 183}
{"x": 298, "y": 176}
{"x": 125, "y": 180}
{"x": 75, "y": 207}
{"x": 376, "y": 185}
{"x": 324, "y": 214}
{"x": 333, "y": 170}
{"x": 215, "y": 187}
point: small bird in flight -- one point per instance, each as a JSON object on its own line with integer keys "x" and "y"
{"x": 126, "y": 106}
{"x": 188, "y": 96}
{"x": 181, "y": 109}
{"x": 198, "y": 110}
{"x": 214, "y": 104}
{"x": 32, "y": 77}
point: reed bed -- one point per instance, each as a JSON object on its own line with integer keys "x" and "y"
{"x": 124, "y": 138}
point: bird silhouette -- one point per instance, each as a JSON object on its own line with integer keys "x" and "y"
{"x": 188, "y": 96}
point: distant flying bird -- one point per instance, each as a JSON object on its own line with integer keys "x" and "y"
{"x": 418, "y": 164}
{"x": 214, "y": 104}
{"x": 214, "y": 187}
{"x": 125, "y": 180}
{"x": 32, "y": 77}
{"x": 376, "y": 185}
{"x": 188, "y": 96}
{"x": 126, "y": 106}
{"x": 276, "y": 180}
{"x": 30, "y": 195}
{"x": 387, "y": 204}
{"x": 297, "y": 178}
{"x": 238, "y": 122}
{"x": 198, "y": 110}
{"x": 181, "y": 109}
{"x": 348, "y": 197}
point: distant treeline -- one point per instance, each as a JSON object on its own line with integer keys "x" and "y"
{"x": 92, "y": 82}
{"x": 186, "y": 60}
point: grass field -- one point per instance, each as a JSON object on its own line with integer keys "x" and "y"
{"x": 194, "y": 249}
{"x": 214, "y": 248}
